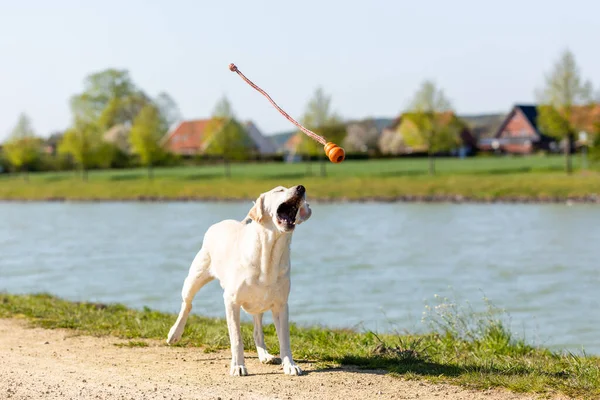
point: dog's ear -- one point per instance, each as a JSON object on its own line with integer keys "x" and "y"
{"x": 257, "y": 211}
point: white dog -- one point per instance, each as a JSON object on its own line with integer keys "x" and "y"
{"x": 251, "y": 259}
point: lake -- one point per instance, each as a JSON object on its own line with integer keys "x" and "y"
{"x": 365, "y": 266}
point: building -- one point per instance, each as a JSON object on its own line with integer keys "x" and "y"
{"x": 191, "y": 137}
{"x": 118, "y": 135}
{"x": 401, "y": 137}
{"x": 363, "y": 135}
{"x": 187, "y": 137}
{"x": 483, "y": 125}
{"x": 520, "y": 133}
{"x": 263, "y": 144}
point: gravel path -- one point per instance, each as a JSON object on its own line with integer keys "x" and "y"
{"x": 58, "y": 364}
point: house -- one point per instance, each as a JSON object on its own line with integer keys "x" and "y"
{"x": 279, "y": 139}
{"x": 519, "y": 133}
{"x": 290, "y": 147}
{"x": 483, "y": 125}
{"x": 363, "y": 135}
{"x": 187, "y": 137}
{"x": 401, "y": 138}
{"x": 52, "y": 142}
{"x": 586, "y": 119}
{"x": 264, "y": 146}
{"x": 191, "y": 137}
{"x": 119, "y": 136}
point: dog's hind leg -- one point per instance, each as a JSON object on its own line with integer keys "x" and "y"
{"x": 259, "y": 340}
{"x": 198, "y": 276}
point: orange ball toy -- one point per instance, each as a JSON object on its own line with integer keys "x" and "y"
{"x": 335, "y": 153}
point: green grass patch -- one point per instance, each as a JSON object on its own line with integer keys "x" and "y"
{"x": 477, "y": 178}
{"x": 474, "y": 350}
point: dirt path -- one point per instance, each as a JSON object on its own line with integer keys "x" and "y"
{"x": 56, "y": 364}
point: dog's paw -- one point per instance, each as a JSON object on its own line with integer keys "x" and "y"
{"x": 269, "y": 359}
{"x": 292, "y": 369}
{"x": 238, "y": 370}
{"x": 173, "y": 336}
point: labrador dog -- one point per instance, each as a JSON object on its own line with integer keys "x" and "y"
{"x": 251, "y": 259}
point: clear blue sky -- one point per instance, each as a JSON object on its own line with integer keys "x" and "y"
{"x": 369, "y": 55}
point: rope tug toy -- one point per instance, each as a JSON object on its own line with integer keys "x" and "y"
{"x": 335, "y": 153}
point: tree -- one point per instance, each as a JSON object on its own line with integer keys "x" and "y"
{"x": 23, "y": 147}
{"x": 317, "y": 116}
{"x": 109, "y": 98}
{"x": 390, "y": 143}
{"x": 361, "y": 137}
{"x": 595, "y": 148}
{"x": 145, "y": 136}
{"x": 81, "y": 142}
{"x": 122, "y": 111}
{"x": 223, "y": 109}
{"x": 564, "y": 89}
{"x": 226, "y": 137}
{"x": 168, "y": 110}
{"x": 100, "y": 88}
{"x": 429, "y": 125}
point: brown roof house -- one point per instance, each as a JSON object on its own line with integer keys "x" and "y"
{"x": 401, "y": 136}
{"x": 187, "y": 137}
{"x": 520, "y": 132}
{"x": 193, "y": 137}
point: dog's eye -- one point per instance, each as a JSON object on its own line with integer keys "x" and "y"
{"x": 280, "y": 190}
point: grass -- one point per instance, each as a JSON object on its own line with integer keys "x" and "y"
{"x": 474, "y": 350}
{"x": 483, "y": 178}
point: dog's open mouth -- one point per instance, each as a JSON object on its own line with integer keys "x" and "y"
{"x": 286, "y": 213}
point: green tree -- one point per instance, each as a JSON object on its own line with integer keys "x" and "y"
{"x": 223, "y": 109}
{"x": 595, "y": 147}
{"x": 564, "y": 89}
{"x": 110, "y": 97}
{"x": 146, "y": 132}
{"x": 319, "y": 117}
{"x": 431, "y": 127}
{"x": 226, "y": 137}
{"x": 82, "y": 142}
{"x": 168, "y": 109}
{"x": 122, "y": 111}
{"x": 22, "y": 148}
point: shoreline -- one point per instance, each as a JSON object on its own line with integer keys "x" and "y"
{"x": 437, "y": 199}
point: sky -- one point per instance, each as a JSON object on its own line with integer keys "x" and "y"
{"x": 370, "y": 56}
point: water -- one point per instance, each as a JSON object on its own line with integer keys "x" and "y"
{"x": 368, "y": 266}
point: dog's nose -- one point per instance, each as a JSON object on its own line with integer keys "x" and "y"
{"x": 300, "y": 190}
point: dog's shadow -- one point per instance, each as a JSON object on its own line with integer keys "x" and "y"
{"x": 371, "y": 365}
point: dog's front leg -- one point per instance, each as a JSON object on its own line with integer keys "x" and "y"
{"x": 232, "y": 312}
{"x": 259, "y": 341}
{"x": 282, "y": 325}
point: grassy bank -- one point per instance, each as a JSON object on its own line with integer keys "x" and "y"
{"x": 468, "y": 350}
{"x": 477, "y": 179}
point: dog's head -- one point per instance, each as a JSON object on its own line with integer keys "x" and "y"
{"x": 281, "y": 207}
